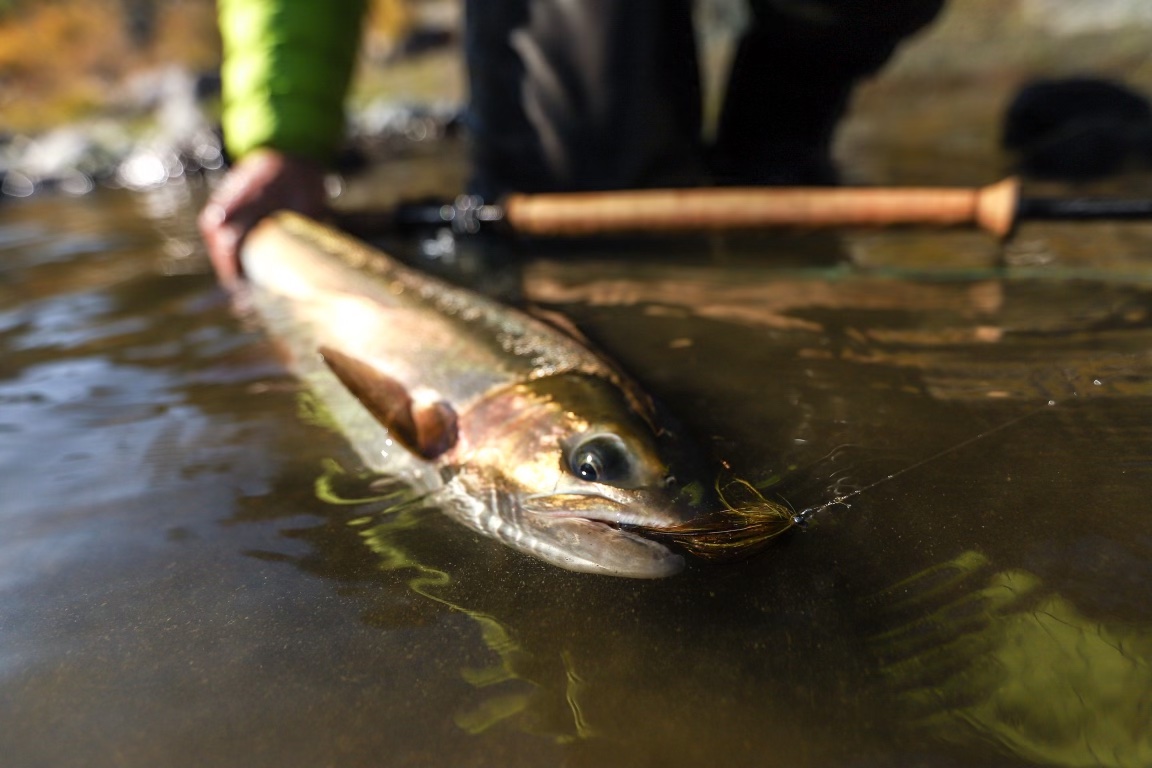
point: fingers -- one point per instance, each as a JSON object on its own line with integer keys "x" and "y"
{"x": 262, "y": 183}
{"x": 222, "y": 240}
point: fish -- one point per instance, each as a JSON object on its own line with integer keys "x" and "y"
{"x": 515, "y": 425}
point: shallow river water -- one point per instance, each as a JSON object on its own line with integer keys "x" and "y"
{"x": 179, "y": 587}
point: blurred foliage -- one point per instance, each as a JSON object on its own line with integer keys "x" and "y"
{"x": 390, "y": 19}
{"x": 61, "y": 60}
{"x": 7, "y": 7}
{"x": 394, "y": 70}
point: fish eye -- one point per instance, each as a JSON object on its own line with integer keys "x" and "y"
{"x": 588, "y": 467}
{"x": 600, "y": 459}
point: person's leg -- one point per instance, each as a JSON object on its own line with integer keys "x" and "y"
{"x": 582, "y": 94}
{"x": 792, "y": 78}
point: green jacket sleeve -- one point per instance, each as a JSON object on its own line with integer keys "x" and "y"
{"x": 287, "y": 66}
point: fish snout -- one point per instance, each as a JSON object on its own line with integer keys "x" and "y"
{"x": 632, "y": 508}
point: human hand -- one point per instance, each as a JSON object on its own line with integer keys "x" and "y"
{"x": 261, "y": 183}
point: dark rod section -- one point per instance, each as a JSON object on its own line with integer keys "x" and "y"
{"x": 1082, "y": 208}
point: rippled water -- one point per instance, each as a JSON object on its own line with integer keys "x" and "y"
{"x": 175, "y": 591}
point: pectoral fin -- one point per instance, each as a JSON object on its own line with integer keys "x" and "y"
{"x": 426, "y": 429}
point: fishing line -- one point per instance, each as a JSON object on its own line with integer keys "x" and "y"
{"x": 744, "y": 526}
{"x": 801, "y": 517}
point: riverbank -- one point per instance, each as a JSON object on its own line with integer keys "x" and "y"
{"x": 125, "y": 93}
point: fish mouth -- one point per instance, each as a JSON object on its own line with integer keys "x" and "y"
{"x": 583, "y": 532}
{"x": 595, "y": 534}
{"x": 624, "y": 514}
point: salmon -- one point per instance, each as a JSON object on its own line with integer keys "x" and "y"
{"x": 518, "y": 429}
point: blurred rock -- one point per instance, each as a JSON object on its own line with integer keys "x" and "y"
{"x": 159, "y": 131}
{"x": 1067, "y": 17}
{"x": 1078, "y": 129}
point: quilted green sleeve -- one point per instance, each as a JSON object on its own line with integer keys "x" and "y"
{"x": 287, "y": 65}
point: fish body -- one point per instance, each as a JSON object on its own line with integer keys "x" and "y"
{"x": 518, "y": 429}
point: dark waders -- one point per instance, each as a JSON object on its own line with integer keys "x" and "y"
{"x": 605, "y": 94}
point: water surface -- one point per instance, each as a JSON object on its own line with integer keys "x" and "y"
{"x": 176, "y": 589}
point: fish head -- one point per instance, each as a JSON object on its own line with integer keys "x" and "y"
{"x": 570, "y": 468}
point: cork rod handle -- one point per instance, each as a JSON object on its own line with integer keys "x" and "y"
{"x": 583, "y": 213}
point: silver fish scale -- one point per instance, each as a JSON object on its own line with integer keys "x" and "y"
{"x": 546, "y": 350}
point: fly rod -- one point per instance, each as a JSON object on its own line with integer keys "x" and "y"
{"x": 996, "y": 208}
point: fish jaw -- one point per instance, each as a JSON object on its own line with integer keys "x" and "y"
{"x": 591, "y": 546}
{"x": 567, "y": 469}
{"x": 585, "y": 539}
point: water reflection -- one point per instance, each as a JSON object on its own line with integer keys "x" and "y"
{"x": 958, "y": 653}
{"x": 1009, "y": 663}
{"x": 176, "y": 588}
